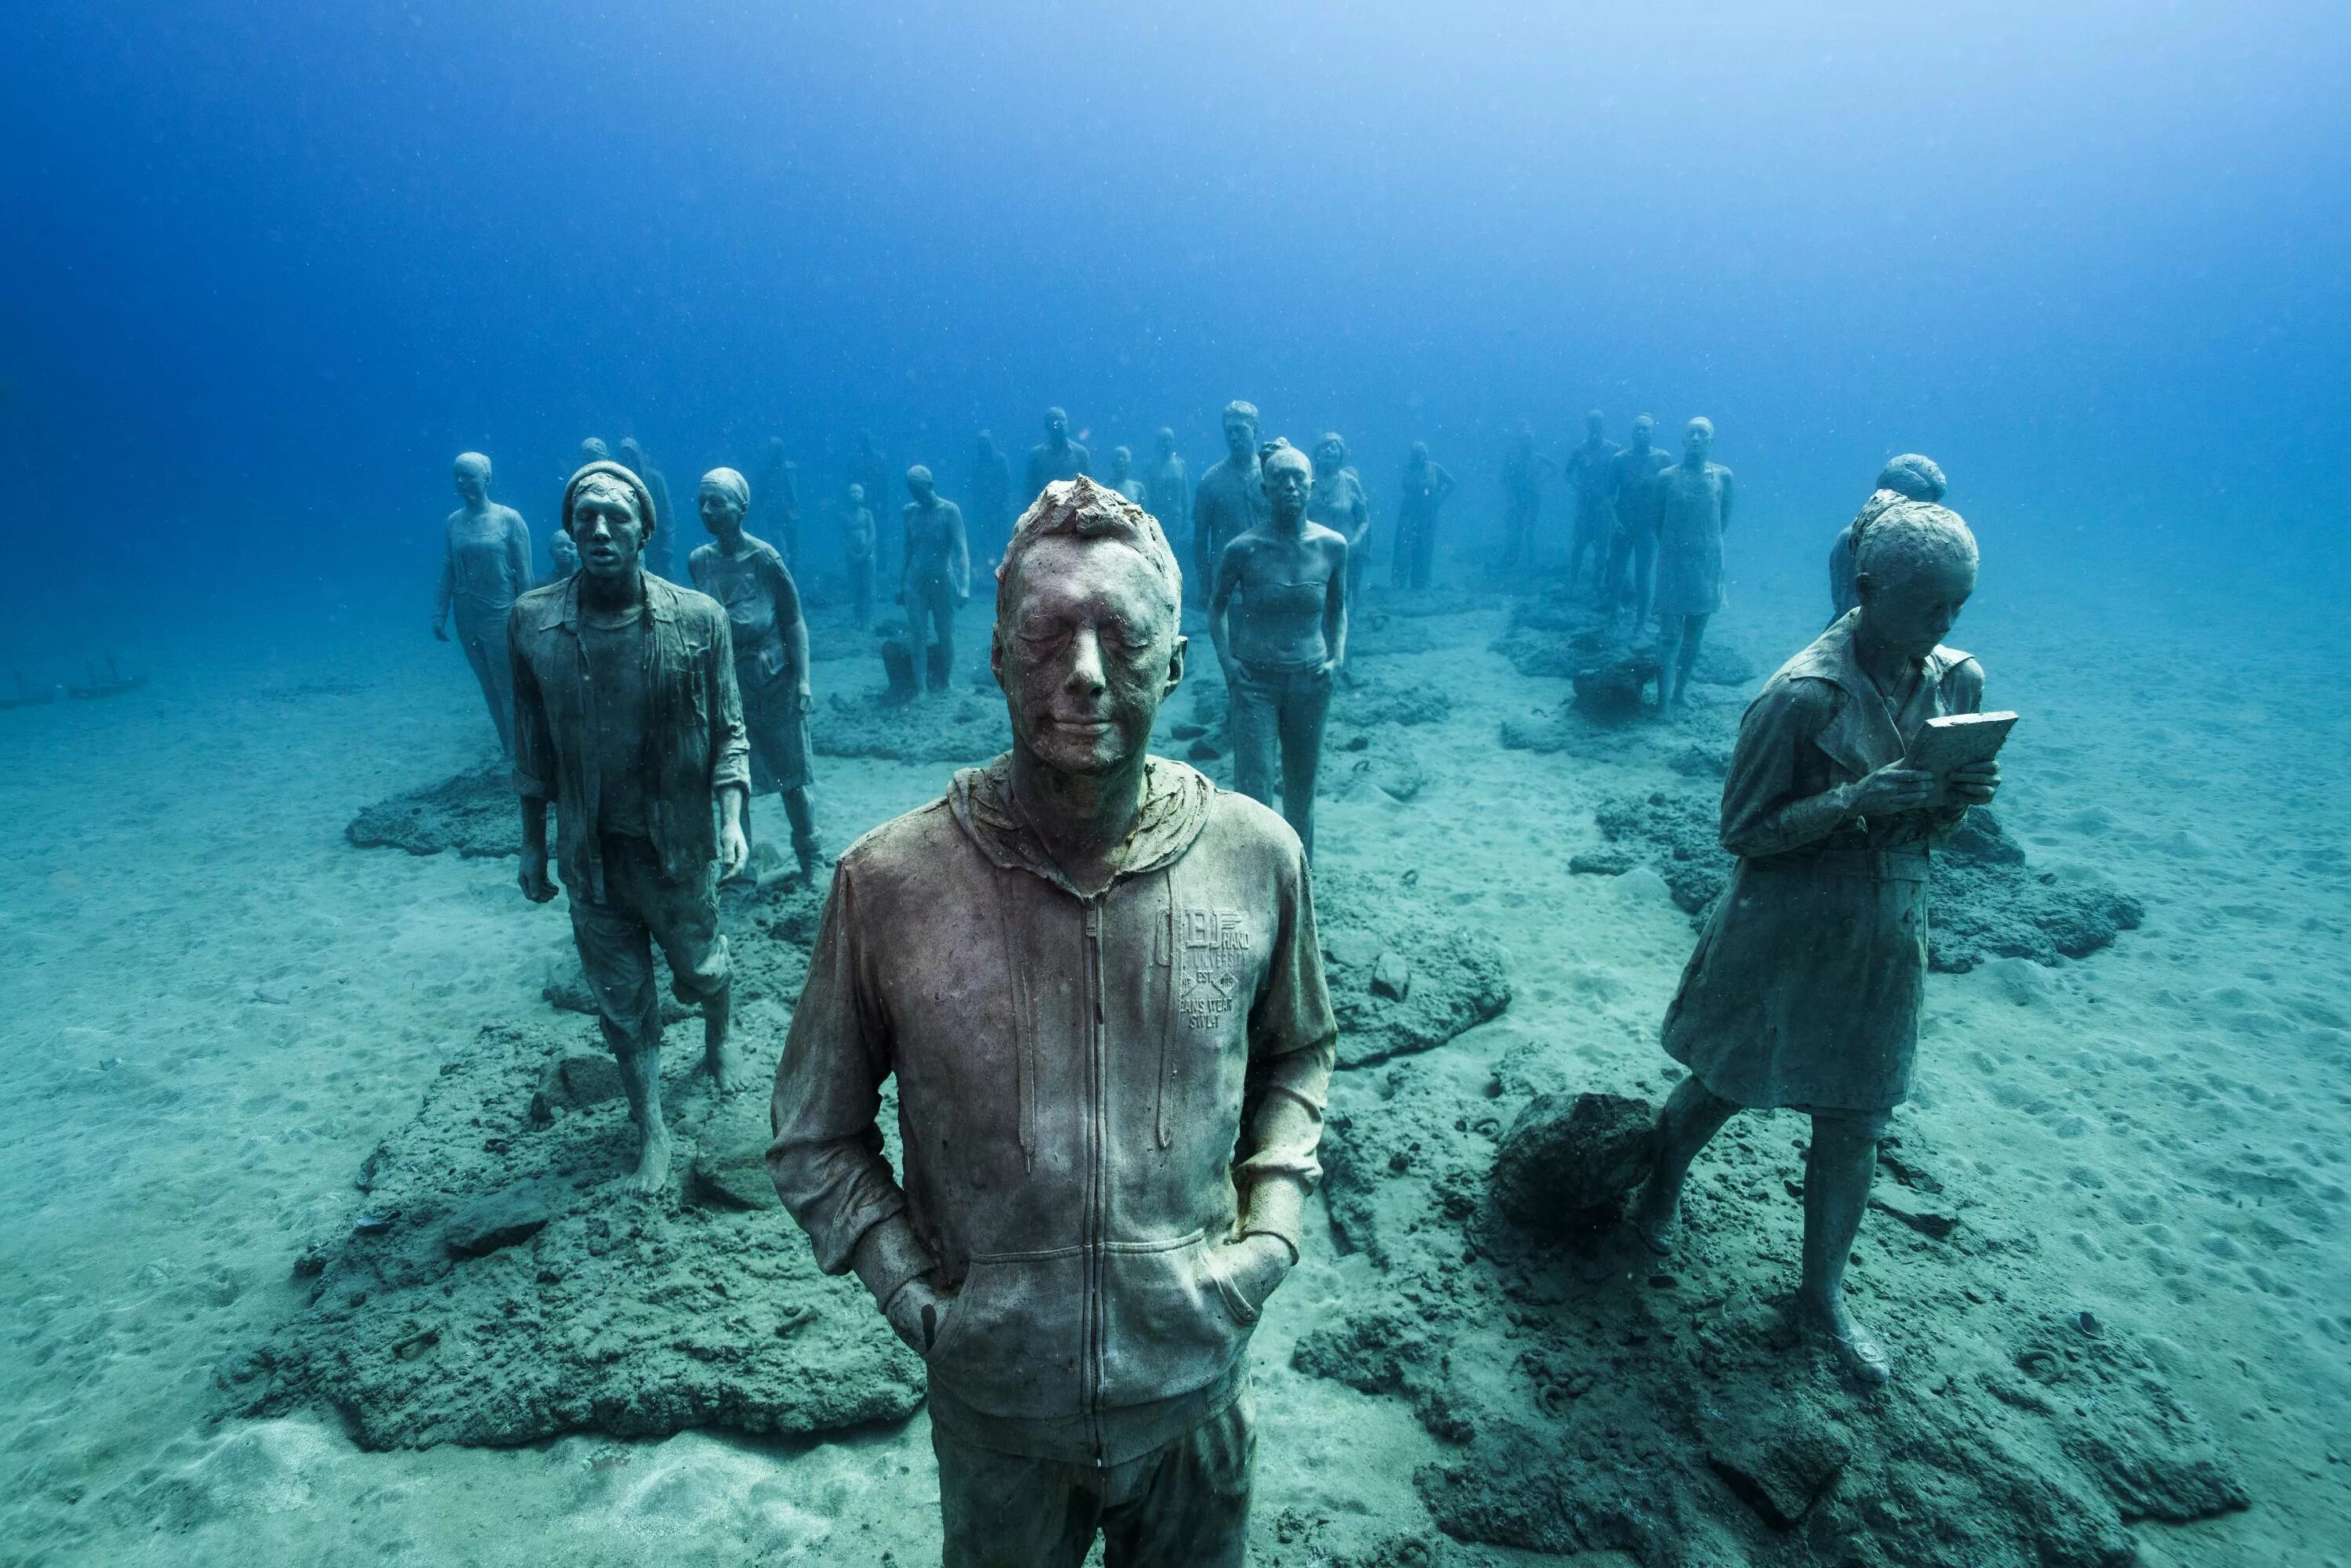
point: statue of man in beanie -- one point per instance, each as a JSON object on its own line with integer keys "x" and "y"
{"x": 1096, "y": 979}
{"x": 748, "y": 576}
{"x": 627, "y": 718}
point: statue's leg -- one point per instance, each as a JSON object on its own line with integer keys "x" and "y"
{"x": 1250, "y": 725}
{"x": 1669, "y": 651}
{"x": 1838, "y": 1169}
{"x": 685, "y": 920}
{"x": 1644, "y": 577}
{"x": 807, "y": 847}
{"x": 616, "y": 956}
{"x": 1693, "y": 637}
{"x": 484, "y": 637}
{"x": 1301, "y": 712}
{"x": 1692, "y": 1115}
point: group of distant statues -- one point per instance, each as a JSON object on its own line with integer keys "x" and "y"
{"x": 1051, "y": 1179}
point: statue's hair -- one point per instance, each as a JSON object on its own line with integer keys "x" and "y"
{"x": 1918, "y": 477}
{"x": 1241, "y": 408}
{"x": 1700, "y": 419}
{"x": 924, "y": 471}
{"x": 1333, "y": 438}
{"x": 473, "y": 460}
{"x": 1079, "y": 508}
{"x": 1278, "y": 450}
{"x": 1907, "y": 537}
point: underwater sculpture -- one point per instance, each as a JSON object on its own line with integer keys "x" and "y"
{"x": 1339, "y": 503}
{"x": 485, "y": 568}
{"x": 1230, "y": 500}
{"x": 870, "y": 469}
{"x": 1632, "y": 502}
{"x": 1909, "y": 477}
{"x": 779, "y": 502}
{"x": 563, "y": 554}
{"x": 1057, "y": 457}
{"x": 857, "y": 552}
{"x": 747, "y": 576}
{"x": 657, "y": 543}
{"x": 1805, "y": 985}
{"x": 1591, "y": 469}
{"x": 1426, "y": 487}
{"x": 627, "y": 719}
{"x": 1278, "y": 616}
{"x": 988, "y": 514}
{"x": 1693, "y": 507}
{"x": 1524, "y": 471}
{"x": 1111, "y": 1104}
{"x": 1167, "y": 482}
{"x": 1122, "y": 475}
{"x": 934, "y": 578}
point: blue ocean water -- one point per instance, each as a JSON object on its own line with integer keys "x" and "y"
{"x": 270, "y": 266}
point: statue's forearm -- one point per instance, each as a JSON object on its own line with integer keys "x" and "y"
{"x": 534, "y": 829}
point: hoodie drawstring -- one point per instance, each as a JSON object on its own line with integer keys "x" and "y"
{"x": 1024, "y": 1027}
{"x": 1166, "y": 955}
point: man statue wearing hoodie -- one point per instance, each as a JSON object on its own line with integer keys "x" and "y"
{"x": 1096, "y": 978}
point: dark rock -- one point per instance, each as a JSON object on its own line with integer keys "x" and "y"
{"x": 730, "y": 1168}
{"x": 1203, "y": 751}
{"x": 1391, "y": 976}
{"x": 898, "y": 669}
{"x": 1926, "y": 1219}
{"x": 1779, "y": 1468}
{"x": 1458, "y": 978}
{"x": 1614, "y": 693}
{"x": 503, "y": 1217}
{"x": 473, "y": 813}
{"x": 1187, "y": 731}
{"x": 1601, "y": 863}
{"x": 1566, "y": 1163}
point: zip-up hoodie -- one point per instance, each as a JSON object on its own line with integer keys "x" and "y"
{"x": 1092, "y": 1092}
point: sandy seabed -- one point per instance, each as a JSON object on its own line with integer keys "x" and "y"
{"x": 218, "y": 1008}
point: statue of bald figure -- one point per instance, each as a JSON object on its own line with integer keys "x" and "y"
{"x": 1122, "y": 475}
{"x": 1230, "y": 500}
{"x": 1909, "y": 477}
{"x": 657, "y": 547}
{"x": 1167, "y": 482}
{"x": 1340, "y": 503}
{"x": 1633, "y": 503}
{"x": 1057, "y": 457}
{"x": 934, "y": 578}
{"x": 1693, "y": 509}
{"x": 1278, "y": 616}
{"x": 1590, "y": 468}
{"x": 485, "y": 568}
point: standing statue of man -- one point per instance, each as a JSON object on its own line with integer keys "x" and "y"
{"x": 1590, "y": 468}
{"x": 779, "y": 502}
{"x": 1278, "y": 616}
{"x": 1426, "y": 487}
{"x": 485, "y": 568}
{"x": 627, "y": 719}
{"x": 1693, "y": 509}
{"x": 1167, "y": 484}
{"x": 935, "y": 577}
{"x": 1340, "y": 503}
{"x": 1231, "y": 498}
{"x": 1909, "y": 477}
{"x": 870, "y": 469}
{"x": 1122, "y": 475}
{"x": 989, "y": 516}
{"x": 1524, "y": 472}
{"x": 1805, "y": 987}
{"x": 1632, "y": 500}
{"x": 858, "y": 552}
{"x": 1055, "y": 457}
{"x": 657, "y": 544}
{"x": 749, "y": 576}
{"x": 1097, "y": 982}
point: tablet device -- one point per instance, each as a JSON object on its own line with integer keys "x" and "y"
{"x": 1943, "y": 745}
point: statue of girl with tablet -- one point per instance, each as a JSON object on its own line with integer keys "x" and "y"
{"x": 1804, "y": 990}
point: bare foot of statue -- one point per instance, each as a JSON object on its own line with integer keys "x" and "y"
{"x": 652, "y": 1157}
{"x": 1857, "y": 1349}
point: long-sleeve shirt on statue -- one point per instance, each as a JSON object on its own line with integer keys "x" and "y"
{"x": 1095, "y": 1093}
{"x": 693, "y": 744}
